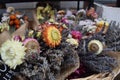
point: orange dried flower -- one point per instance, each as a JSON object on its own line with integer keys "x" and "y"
{"x": 52, "y": 36}
{"x": 12, "y": 17}
{"x": 17, "y": 22}
{"x": 11, "y": 22}
{"x": 98, "y": 29}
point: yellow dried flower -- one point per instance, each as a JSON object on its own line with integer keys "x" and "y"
{"x": 73, "y": 41}
{"x": 12, "y": 53}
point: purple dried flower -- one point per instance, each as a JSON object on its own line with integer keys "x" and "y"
{"x": 17, "y": 38}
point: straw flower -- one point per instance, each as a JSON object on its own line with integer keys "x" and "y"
{"x": 12, "y": 53}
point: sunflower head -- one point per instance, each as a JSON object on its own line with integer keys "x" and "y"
{"x": 51, "y": 36}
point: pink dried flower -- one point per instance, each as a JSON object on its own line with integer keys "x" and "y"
{"x": 64, "y": 20}
{"x": 76, "y": 35}
{"x": 17, "y": 38}
{"x": 32, "y": 45}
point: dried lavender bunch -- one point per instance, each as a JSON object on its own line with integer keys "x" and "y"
{"x": 55, "y": 59}
{"x": 69, "y": 55}
{"x": 71, "y": 60}
{"x": 82, "y": 46}
{"x": 98, "y": 63}
{"x": 38, "y": 70}
{"x": 62, "y": 59}
{"x": 112, "y": 36}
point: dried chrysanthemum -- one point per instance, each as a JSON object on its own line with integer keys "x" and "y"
{"x": 51, "y": 36}
{"x": 12, "y": 53}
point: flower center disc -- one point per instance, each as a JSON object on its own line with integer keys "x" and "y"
{"x": 54, "y": 35}
{"x": 94, "y": 47}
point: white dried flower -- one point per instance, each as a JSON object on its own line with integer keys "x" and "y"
{"x": 10, "y": 9}
{"x": 81, "y": 11}
{"x": 90, "y": 28}
{"x": 5, "y": 18}
{"x": 12, "y": 53}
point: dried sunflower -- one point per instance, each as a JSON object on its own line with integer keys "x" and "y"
{"x": 52, "y": 36}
